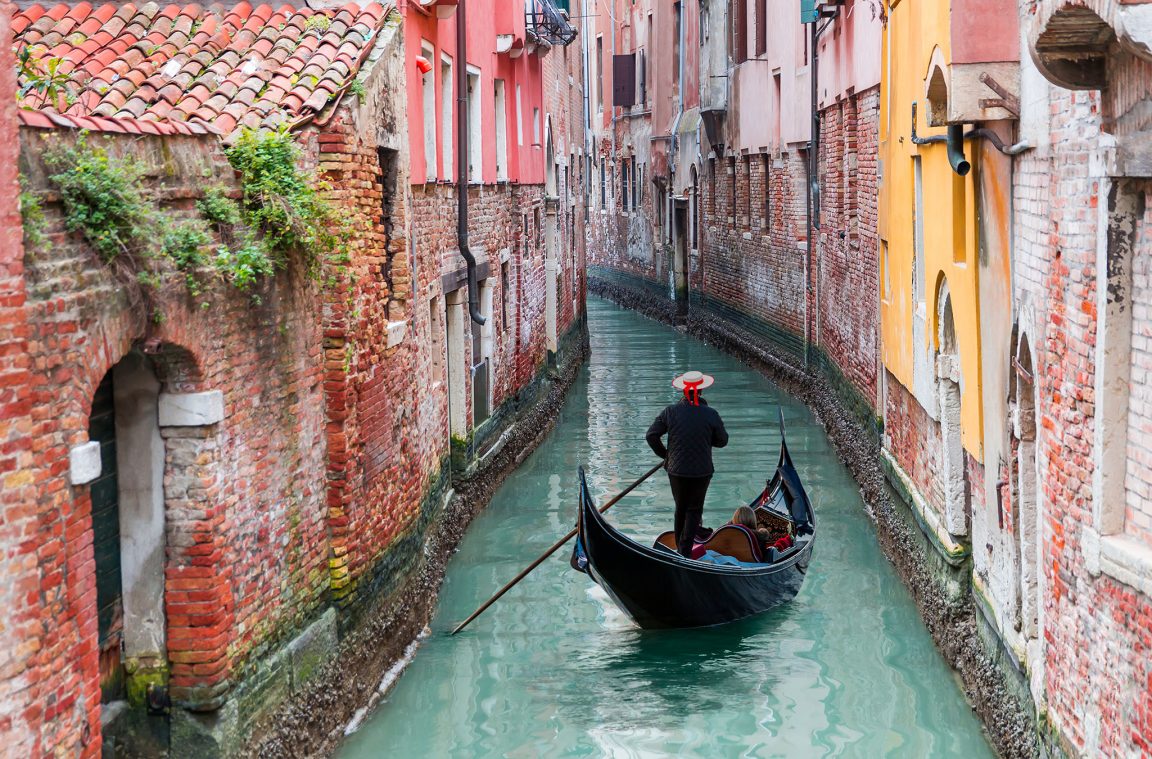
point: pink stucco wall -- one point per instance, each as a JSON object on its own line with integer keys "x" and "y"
{"x": 975, "y": 40}
{"x": 850, "y": 52}
{"x": 485, "y": 21}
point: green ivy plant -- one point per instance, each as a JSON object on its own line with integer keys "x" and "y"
{"x": 281, "y": 213}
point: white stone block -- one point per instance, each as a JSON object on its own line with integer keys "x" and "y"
{"x": 396, "y": 333}
{"x": 84, "y": 461}
{"x": 191, "y": 409}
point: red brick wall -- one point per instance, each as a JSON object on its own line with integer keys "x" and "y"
{"x": 245, "y": 530}
{"x": 22, "y": 474}
{"x": 848, "y": 281}
{"x": 913, "y": 439}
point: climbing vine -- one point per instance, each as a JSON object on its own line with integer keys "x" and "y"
{"x": 280, "y": 213}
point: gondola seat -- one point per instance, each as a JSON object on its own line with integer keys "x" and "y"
{"x": 733, "y": 540}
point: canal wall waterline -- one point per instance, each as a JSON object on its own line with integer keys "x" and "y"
{"x": 941, "y": 589}
{"x": 376, "y": 636}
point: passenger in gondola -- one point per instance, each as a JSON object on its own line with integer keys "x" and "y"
{"x": 694, "y": 428}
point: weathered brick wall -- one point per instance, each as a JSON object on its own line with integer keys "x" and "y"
{"x": 1095, "y": 662}
{"x": 245, "y": 528}
{"x": 22, "y": 473}
{"x": 913, "y": 439}
{"x": 847, "y": 243}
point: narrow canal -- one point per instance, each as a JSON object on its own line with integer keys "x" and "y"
{"x": 553, "y": 669}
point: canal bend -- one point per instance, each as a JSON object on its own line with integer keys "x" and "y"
{"x": 553, "y": 669}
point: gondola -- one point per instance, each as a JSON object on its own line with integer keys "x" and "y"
{"x": 659, "y": 588}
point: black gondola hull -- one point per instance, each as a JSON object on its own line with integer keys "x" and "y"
{"x": 660, "y": 589}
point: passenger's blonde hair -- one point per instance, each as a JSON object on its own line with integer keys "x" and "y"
{"x": 745, "y": 516}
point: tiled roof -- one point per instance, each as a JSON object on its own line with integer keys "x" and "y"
{"x": 50, "y": 120}
{"x": 224, "y": 67}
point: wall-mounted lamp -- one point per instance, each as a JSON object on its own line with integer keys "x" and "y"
{"x": 423, "y": 65}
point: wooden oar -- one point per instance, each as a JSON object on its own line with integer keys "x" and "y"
{"x": 553, "y": 550}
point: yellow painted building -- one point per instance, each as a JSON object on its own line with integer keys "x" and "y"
{"x": 927, "y": 222}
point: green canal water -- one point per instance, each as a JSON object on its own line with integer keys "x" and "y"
{"x": 554, "y": 669}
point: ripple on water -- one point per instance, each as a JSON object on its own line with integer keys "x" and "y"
{"x": 555, "y": 669}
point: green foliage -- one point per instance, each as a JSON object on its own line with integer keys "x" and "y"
{"x": 219, "y": 209}
{"x": 357, "y": 89}
{"x": 283, "y": 204}
{"x": 282, "y": 213}
{"x": 102, "y": 198}
{"x": 244, "y": 266}
{"x": 31, "y": 216}
{"x": 318, "y": 23}
{"x": 43, "y": 76}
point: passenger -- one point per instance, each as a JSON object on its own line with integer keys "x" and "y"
{"x": 744, "y": 516}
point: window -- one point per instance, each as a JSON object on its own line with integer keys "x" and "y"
{"x": 651, "y": 46}
{"x": 767, "y": 223}
{"x": 739, "y": 31}
{"x": 475, "y": 138}
{"x": 761, "y": 27}
{"x": 505, "y": 295}
{"x": 641, "y": 77}
{"x": 536, "y": 126}
{"x": 676, "y": 48}
{"x": 446, "y": 120}
{"x": 732, "y": 188}
{"x": 600, "y": 73}
{"x": 624, "y": 185}
{"x": 428, "y": 86}
{"x": 603, "y": 184}
{"x": 776, "y": 105}
{"x": 501, "y": 109}
{"x": 635, "y": 187}
{"x": 918, "y": 232}
{"x": 747, "y": 209}
{"x": 519, "y": 118}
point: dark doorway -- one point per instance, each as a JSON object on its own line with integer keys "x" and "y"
{"x": 680, "y": 255}
{"x": 105, "y": 492}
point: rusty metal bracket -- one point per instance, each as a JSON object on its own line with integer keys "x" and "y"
{"x": 1007, "y": 100}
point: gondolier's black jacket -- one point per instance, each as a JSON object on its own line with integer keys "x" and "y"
{"x": 693, "y": 431}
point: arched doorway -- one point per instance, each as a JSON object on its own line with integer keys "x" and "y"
{"x": 953, "y": 471}
{"x": 1025, "y": 485}
{"x": 128, "y": 540}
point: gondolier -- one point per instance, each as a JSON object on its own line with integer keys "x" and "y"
{"x": 694, "y": 429}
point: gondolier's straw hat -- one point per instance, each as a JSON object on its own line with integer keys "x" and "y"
{"x": 693, "y": 380}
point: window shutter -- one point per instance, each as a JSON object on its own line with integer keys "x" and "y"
{"x": 642, "y": 76}
{"x": 624, "y": 80}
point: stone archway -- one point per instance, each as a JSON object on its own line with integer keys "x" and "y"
{"x": 948, "y": 373}
{"x": 1025, "y": 489}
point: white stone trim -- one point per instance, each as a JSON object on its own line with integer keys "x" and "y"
{"x": 191, "y": 409}
{"x": 1127, "y": 560}
{"x": 396, "y": 333}
{"x": 84, "y": 462}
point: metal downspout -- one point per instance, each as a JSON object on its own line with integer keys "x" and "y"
{"x": 462, "y": 162}
{"x": 813, "y": 222}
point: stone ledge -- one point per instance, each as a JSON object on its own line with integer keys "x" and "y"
{"x": 954, "y": 553}
{"x": 1128, "y": 561}
{"x": 84, "y": 462}
{"x": 191, "y": 409}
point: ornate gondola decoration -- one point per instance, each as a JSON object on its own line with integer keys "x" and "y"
{"x": 659, "y": 588}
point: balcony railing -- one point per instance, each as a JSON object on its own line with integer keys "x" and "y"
{"x": 547, "y": 22}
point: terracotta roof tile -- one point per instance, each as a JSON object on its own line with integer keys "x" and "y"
{"x": 204, "y": 64}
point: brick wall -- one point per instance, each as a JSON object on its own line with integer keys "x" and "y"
{"x": 1094, "y": 665}
{"x": 245, "y": 531}
{"x": 848, "y": 282}
{"x": 22, "y": 474}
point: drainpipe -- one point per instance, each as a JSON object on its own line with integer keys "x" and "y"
{"x": 462, "y": 162}
{"x": 811, "y": 207}
{"x": 955, "y": 140}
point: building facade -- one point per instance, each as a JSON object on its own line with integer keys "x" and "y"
{"x": 942, "y": 220}
{"x": 215, "y": 473}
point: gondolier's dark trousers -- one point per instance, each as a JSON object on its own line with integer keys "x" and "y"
{"x": 688, "y": 492}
